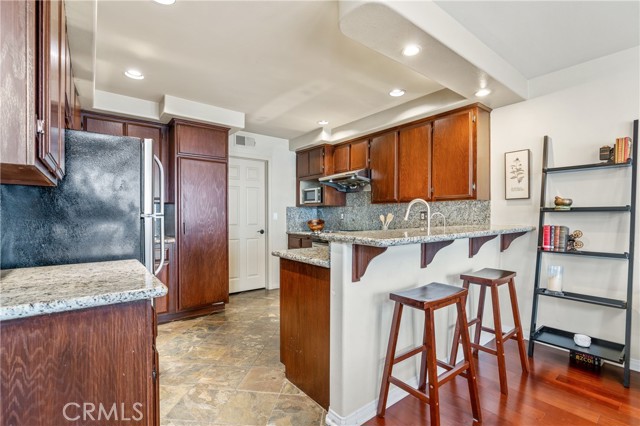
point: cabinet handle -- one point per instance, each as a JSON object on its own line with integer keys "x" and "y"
{"x": 473, "y": 186}
{"x": 184, "y": 228}
{"x": 40, "y": 127}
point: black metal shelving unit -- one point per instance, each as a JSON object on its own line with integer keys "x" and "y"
{"x": 611, "y": 351}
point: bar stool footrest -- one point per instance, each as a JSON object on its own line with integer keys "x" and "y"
{"x": 413, "y": 391}
{"x": 409, "y": 354}
{"x": 484, "y": 349}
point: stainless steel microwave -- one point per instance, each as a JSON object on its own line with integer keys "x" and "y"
{"x": 311, "y": 195}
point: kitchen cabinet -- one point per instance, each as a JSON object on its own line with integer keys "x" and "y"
{"x": 351, "y": 156}
{"x": 35, "y": 76}
{"x": 201, "y": 194}
{"x": 314, "y": 162}
{"x": 122, "y": 126}
{"x": 461, "y": 155}
{"x": 304, "y": 327}
{"x": 168, "y": 275}
{"x": 296, "y": 241}
{"x": 414, "y": 162}
{"x": 383, "y": 152}
{"x": 53, "y": 364}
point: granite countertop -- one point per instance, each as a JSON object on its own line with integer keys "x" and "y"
{"x": 398, "y": 237}
{"x": 26, "y": 292}
{"x": 318, "y": 256}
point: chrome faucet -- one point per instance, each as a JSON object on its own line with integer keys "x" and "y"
{"x": 420, "y": 200}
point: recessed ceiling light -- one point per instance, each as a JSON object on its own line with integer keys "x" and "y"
{"x": 323, "y": 122}
{"x": 411, "y": 50}
{"x": 483, "y": 92}
{"x": 165, "y": 2}
{"x": 134, "y": 74}
{"x": 396, "y": 92}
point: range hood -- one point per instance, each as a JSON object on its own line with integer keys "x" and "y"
{"x": 354, "y": 181}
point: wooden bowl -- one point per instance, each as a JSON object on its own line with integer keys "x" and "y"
{"x": 316, "y": 225}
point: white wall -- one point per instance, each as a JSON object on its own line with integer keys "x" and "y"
{"x": 592, "y": 111}
{"x": 281, "y": 188}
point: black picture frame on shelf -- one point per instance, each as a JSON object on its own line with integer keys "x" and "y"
{"x": 517, "y": 175}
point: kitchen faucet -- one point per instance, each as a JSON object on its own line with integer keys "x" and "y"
{"x": 420, "y": 200}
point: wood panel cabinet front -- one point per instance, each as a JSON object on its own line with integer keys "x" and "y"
{"x": 168, "y": 276}
{"x": 202, "y": 140}
{"x": 51, "y": 365}
{"x": 454, "y": 156}
{"x": 359, "y": 155}
{"x": 341, "y": 155}
{"x": 203, "y": 271}
{"x": 414, "y": 162}
{"x": 383, "y": 153}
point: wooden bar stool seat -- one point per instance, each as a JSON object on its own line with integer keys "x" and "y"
{"x": 493, "y": 278}
{"x": 428, "y": 298}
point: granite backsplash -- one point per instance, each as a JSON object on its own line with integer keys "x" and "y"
{"x": 360, "y": 215}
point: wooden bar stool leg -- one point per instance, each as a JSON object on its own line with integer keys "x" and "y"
{"x": 479, "y": 315}
{"x": 471, "y": 372}
{"x": 497, "y": 321}
{"x": 432, "y": 369}
{"x": 388, "y": 363}
{"x": 422, "y": 384}
{"x": 524, "y": 361}
{"x": 456, "y": 334}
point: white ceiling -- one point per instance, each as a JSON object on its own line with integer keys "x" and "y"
{"x": 539, "y": 37}
{"x": 287, "y": 64}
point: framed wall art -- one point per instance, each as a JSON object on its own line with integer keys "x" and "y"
{"x": 517, "y": 175}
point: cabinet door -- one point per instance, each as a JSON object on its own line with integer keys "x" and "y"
{"x": 203, "y": 255}
{"x": 104, "y": 125}
{"x": 51, "y": 147}
{"x": 341, "y": 158}
{"x": 294, "y": 242}
{"x": 201, "y": 140}
{"x": 359, "y": 155}
{"x": 302, "y": 164}
{"x": 316, "y": 161}
{"x": 384, "y": 174}
{"x": 453, "y": 156}
{"x": 414, "y": 162}
{"x": 162, "y": 303}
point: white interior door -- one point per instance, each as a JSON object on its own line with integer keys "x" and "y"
{"x": 247, "y": 232}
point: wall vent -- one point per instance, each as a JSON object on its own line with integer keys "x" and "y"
{"x": 246, "y": 141}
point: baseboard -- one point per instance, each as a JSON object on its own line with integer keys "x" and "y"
{"x": 634, "y": 364}
{"x": 366, "y": 412}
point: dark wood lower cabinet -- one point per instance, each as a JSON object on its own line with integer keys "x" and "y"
{"x": 89, "y": 367}
{"x": 298, "y": 241}
{"x": 168, "y": 276}
{"x": 304, "y": 327}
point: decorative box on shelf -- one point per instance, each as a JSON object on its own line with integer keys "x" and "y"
{"x": 585, "y": 360}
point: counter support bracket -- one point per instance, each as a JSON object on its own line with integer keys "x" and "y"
{"x": 429, "y": 250}
{"x": 476, "y": 242}
{"x": 507, "y": 239}
{"x": 362, "y": 256}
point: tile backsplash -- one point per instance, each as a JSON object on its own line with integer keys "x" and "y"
{"x": 360, "y": 215}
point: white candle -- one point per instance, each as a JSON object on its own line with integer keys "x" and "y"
{"x": 555, "y": 283}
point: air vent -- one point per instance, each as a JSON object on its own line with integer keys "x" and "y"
{"x": 245, "y": 141}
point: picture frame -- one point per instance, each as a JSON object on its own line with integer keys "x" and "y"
{"x": 517, "y": 175}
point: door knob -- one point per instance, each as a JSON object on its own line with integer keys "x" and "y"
{"x": 261, "y": 231}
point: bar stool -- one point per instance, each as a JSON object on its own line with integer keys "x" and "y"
{"x": 493, "y": 278}
{"x": 428, "y": 298}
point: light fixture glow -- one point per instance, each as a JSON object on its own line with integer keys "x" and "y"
{"x": 165, "y": 2}
{"x": 411, "y": 50}
{"x": 323, "y": 122}
{"x": 396, "y": 92}
{"x": 134, "y": 74}
{"x": 483, "y": 92}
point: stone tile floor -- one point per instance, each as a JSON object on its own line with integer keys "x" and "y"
{"x": 224, "y": 369}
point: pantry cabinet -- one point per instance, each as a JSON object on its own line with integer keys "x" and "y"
{"x": 37, "y": 92}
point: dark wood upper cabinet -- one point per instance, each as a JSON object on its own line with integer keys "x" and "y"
{"x": 341, "y": 155}
{"x": 203, "y": 270}
{"x": 35, "y": 76}
{"x": 351, "y": 156}
{"x": 359, "y": 155}
{"x": 383, "y": 153}
{"x": 314, "y": 162}
{"x": 202, "y": 140}
{"x": 461, "y": 155}
{"x": 414, "y": 162}
{"x": 104, "y": 125}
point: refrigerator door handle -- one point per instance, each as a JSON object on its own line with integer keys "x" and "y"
{"x": 160, "y": 215}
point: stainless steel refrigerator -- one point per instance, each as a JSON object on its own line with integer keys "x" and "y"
{"x": 103, "y": 209}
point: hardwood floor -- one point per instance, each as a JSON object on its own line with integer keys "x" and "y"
{"x": 553, "y": 393}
